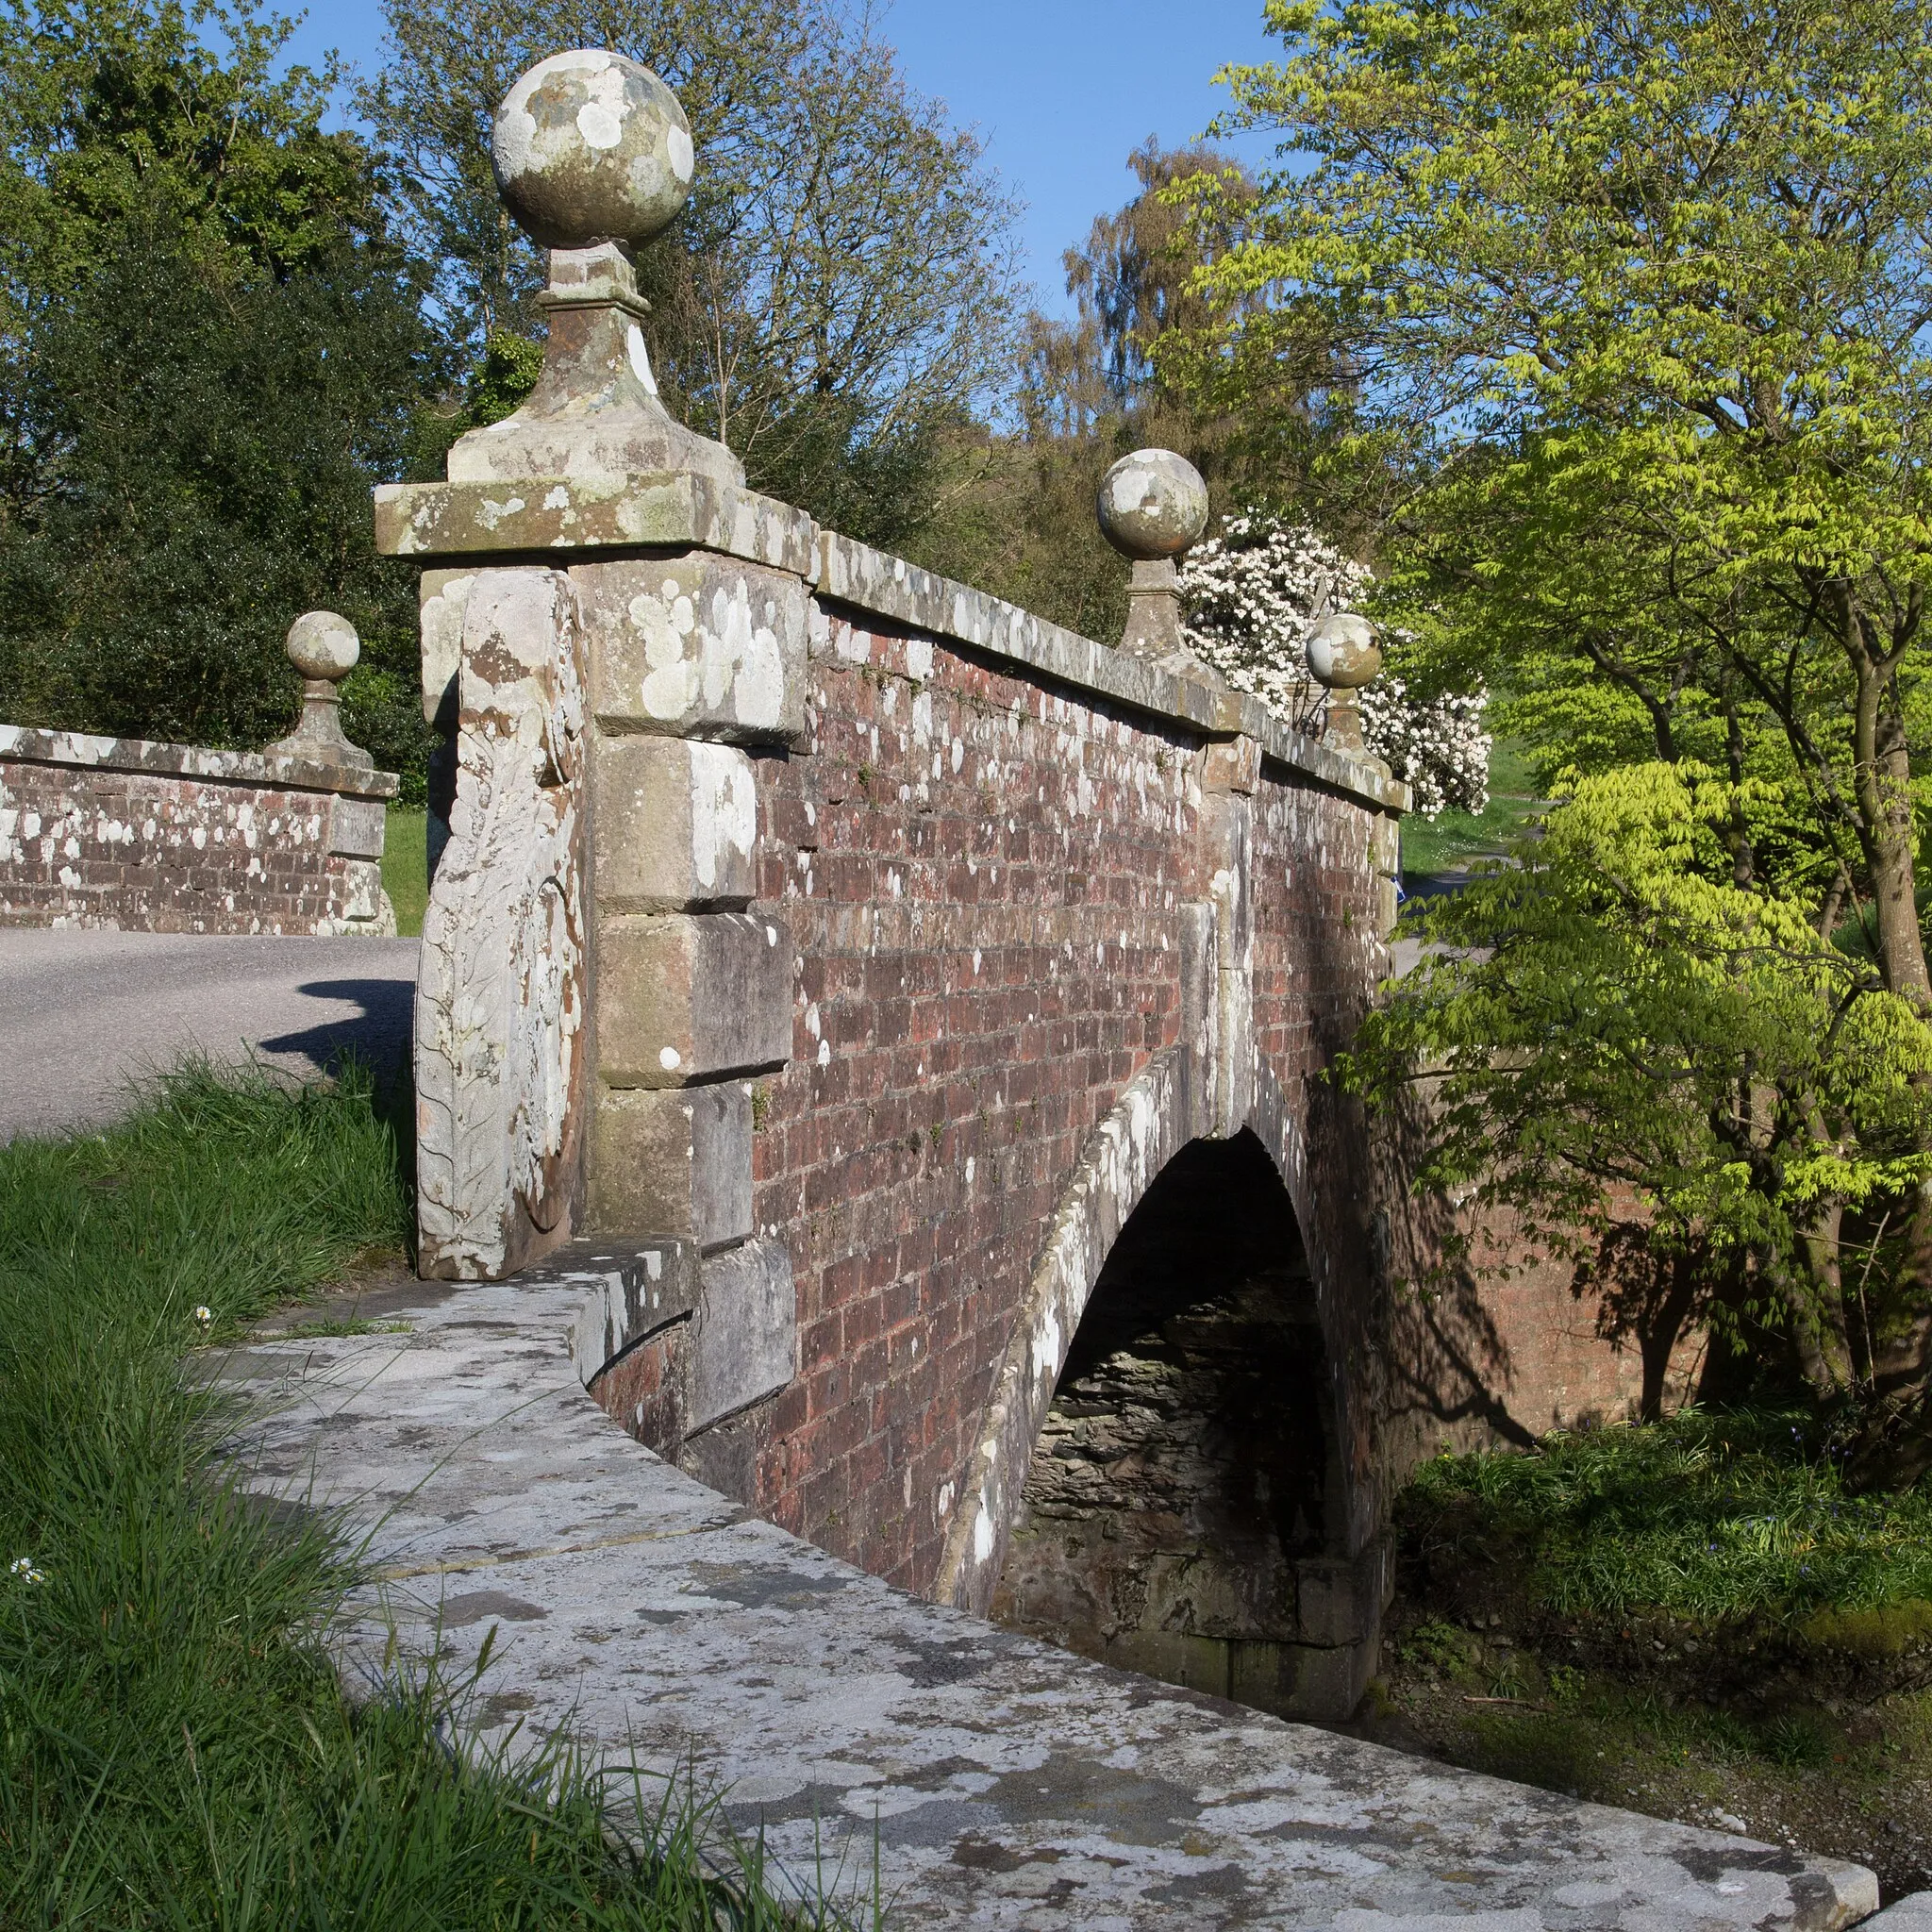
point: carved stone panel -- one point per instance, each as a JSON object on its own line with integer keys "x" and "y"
{"x": 500, "y": 1000}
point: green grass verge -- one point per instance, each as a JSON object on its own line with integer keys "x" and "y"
{"x": 175, "y": 1749}
{"x": 405, "y": 867}
{"x": 1717, "y": 1517}
{"x": 1433, "y": 846}
{"x": 1690, "y": 1617}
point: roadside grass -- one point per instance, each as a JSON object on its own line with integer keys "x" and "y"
{"x": 1433, "y": 847}
{"x": 1719, "y": 1517}
{"x": 1690, "y": 1617}
{"x": 406, "y": 866}
{"x": 174, "y": 1747}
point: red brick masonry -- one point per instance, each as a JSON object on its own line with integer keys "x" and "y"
{"x": 171, "y": 838}
{"x": 983, "y": 873}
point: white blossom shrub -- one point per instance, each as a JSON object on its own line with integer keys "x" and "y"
{"x": 1252, "y": 595}
{"x": 1435, "y": 747}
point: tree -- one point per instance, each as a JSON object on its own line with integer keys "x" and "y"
{"x": 838, "y": 294}
{"x": 1758, "y": 1090}
{"x": 181, "y": 214}
{"x": 1635, "y": 295}
{"x": 1019, "y": 502}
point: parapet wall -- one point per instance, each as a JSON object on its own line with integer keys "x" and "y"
{"x": 172, "y": 837}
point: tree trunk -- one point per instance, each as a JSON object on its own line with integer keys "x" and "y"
{"x": 1829, "y": 1327}
{"x": 1894, "y": 1445}
{"x": 1657, "y": 1340}
{"x": 1809, "y": 1334}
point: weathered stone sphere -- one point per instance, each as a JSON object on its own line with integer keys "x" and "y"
{"x": 1344, "y": 652}
{"x": 1152, "y": 504}
{"x": 591, "y": 147}
{"x": 320, "y": 645}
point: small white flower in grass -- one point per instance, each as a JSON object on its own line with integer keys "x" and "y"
{"x": 205, "y": 1315}
{"x": 23, "y": 1567}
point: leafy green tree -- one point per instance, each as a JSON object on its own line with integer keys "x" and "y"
{"x": 1018, "y": 507}
{"x": 1635, "y": 296}
{"x": 838, "y": 293}
{"x": 1756, "y": 1087}
{"x": 210, "y": 349}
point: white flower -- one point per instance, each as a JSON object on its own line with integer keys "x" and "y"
{"x": 1252, "y": 596}
{"x": 23, "y": 1567}
{"x": 1435, "y": 747}
{"x": 205, "y": 1316}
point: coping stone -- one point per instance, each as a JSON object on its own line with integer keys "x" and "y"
{"x": 1004, "y": 1783}
{"x": 438, "y": 522}
{"x": 853, "y": 574}
{"x": 266, "y": 771}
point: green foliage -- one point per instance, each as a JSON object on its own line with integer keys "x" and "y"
{"x": 505, "y": 373}
{"x": 1722, "y": 1518}
{"x": 115, "y": 110}
{"x": 175, "y": 1750}
{"x": 1718, "y": 1056}
{"x": 1682, "y": 248}
{"x": 1639, "y": 293}
{"x": 838, "y": 294}
{"x": 1015, "y": 513}
{"x": 208, "y": 351}
{"x": 1634, "y": 301}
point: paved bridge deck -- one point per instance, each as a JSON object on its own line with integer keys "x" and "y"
{"x": 1009, "y": 1784}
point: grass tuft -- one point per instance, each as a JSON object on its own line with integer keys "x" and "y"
{"x": 405, "y": 867}
{"x": 174, "y": 1748}
{"x": 1720, "y": 1517}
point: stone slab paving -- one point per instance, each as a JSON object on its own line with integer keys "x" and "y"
{"x": 1913, "y": 1914}
{"x": 1007, "y": 1783}
{"x": 84, "y": 1011}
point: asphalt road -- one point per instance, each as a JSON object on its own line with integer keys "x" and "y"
{"x": 84, "y": 1015}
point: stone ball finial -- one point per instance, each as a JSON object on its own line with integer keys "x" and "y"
{"x": 322, "y": 646}
{"x": 1152, "y": 504}
{"x": 1344, "y": 652}
{"x": 589, "y": 147}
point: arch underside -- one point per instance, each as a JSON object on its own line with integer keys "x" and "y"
{"x": 1158, "y": 1482}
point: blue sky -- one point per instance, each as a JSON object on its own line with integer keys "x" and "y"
{"x": 1061, "y": 90}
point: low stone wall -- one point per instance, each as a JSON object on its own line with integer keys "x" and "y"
{"x": 988, "y": 1779}
{"x": 172, "y": 837}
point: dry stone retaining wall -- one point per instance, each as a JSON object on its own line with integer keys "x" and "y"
{"x": 171, "y": 838}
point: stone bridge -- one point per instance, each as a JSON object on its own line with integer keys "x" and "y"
{"x": 929, "y": 1008}
{"x": 874, "y": 1041}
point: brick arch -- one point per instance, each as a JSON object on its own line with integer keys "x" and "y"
{"x": 1273, "y": 1123}
{"x": 1142, "y": 1132}
{"x": 1153, "y": 1118}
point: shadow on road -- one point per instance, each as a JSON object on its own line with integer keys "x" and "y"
{"x": 378, "y": 1036}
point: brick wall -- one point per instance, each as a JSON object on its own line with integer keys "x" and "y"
{"x": 981, "y": 872}
{"x": 161, "y": 838}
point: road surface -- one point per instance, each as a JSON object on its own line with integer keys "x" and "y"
{"x": 85, "y": 1015}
